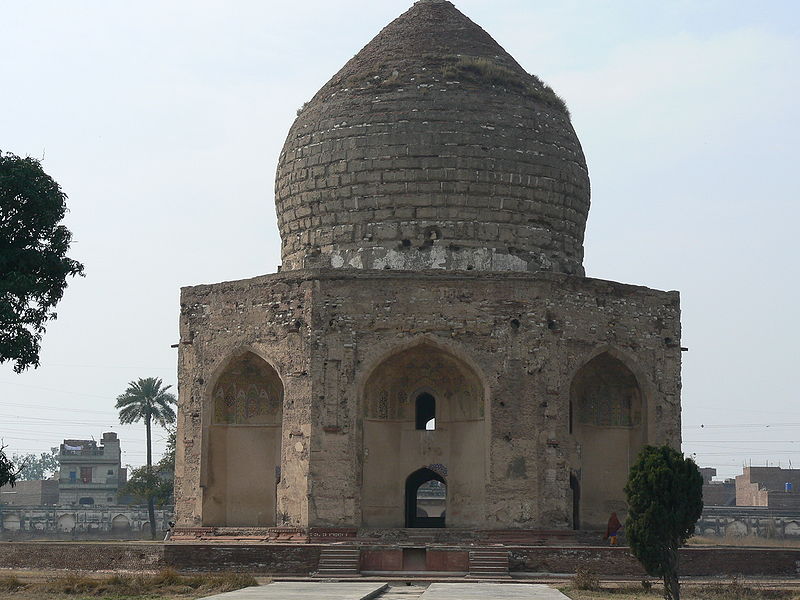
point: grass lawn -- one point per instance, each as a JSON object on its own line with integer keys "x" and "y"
{"x": 167, "y": 584}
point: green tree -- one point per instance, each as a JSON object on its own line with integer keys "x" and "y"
{"x": 146, "y": 400}
{"x": 33, "y": 257}
{"x": 166, "y": 466}
{"x": 8, "y": 472}
{"x": 33, "y": 468}
{"x": 160, "y": 484}
{"x": 143, "y": 485}
{"x": 665, "y": 499}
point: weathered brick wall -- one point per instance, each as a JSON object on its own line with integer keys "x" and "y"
{"x": 255, "y": 558}
{"x": 410, "y": 159}
{"x": 527, "y": 336}
{"x": 302, "y": 559}
{"x": 701, "y": 562}
{"x": 268, "y": 316}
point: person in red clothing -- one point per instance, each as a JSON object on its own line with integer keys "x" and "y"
{"x": 613, "y": 528}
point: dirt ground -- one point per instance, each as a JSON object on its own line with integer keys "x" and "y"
{"x": 730, "y": 590}
{"x": 167, "y": 584}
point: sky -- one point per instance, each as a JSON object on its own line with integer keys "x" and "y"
{"x": 163, "y": 121}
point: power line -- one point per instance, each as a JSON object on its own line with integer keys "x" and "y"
{"x": 109, "y": 367}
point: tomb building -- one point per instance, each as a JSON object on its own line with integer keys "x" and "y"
{"x": 431, "y": 353}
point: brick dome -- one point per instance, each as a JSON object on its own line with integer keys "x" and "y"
{"x": 433, "y": 148}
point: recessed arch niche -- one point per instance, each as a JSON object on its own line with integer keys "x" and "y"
{"x": 608, "y": 419}
{"x": 446, "y": 388}
{"x": 245, "y": 408}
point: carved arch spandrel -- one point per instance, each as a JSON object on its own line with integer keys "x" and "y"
{"x": 606, "y": 393}
{"x": 392, "y": 388}
{"x": 246, "y": 389}
{"x": 647, "y": 389}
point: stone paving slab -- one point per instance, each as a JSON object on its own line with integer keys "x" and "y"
{"x": 305, "y": 590}
{"x": 491, "y": 591}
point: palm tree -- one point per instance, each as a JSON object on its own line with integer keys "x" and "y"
{"x": 145, "y": 400}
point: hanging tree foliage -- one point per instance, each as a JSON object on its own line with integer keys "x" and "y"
{"x": 8, "y": 471}
{"x": 33, "y": 257}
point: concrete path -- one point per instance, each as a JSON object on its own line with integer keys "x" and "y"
{"x": 306, "y": 590}
{"x": 491, "y": 591}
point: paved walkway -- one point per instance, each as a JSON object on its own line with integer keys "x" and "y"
{"x": 307, "y": 590}
{"x": 487, "y": 591}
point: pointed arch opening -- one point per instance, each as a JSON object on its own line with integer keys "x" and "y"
{"x": 426, "y": 499}
{"x": 120, "y": 523}
{"x": 607, "y": 418}
{"x": 245, "y": 409}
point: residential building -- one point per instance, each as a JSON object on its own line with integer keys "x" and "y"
{"x": 90, "y": 474}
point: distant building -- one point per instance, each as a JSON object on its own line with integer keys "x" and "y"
{"x": 90, "y": 474}
{"x": 762, "y": 502}
{"x": 27, "y": 493}
{"x": 717, "y": 493}
{"x": 772, "y": 487}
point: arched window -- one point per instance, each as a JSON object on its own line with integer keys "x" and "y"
{"x": 426, "y": 412}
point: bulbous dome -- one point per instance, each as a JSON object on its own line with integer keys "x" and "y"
{"x": 433, "y": 148}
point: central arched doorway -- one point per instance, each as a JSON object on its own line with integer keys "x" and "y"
{"x": 426, "y": 499}
{"x": 424, "y": 406}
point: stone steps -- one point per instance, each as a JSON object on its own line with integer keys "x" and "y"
{"x": 488, "y": 563}
{"x": 339, "y": 562}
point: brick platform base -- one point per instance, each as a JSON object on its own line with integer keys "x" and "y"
{"x": 303, "y": 559}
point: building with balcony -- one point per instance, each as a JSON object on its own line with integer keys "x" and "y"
{"x": 90, "y": 474}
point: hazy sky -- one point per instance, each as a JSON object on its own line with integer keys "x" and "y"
{"x": 163, "y": 121}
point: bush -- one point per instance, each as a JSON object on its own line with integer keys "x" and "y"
{"x": 585, "y": 579}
